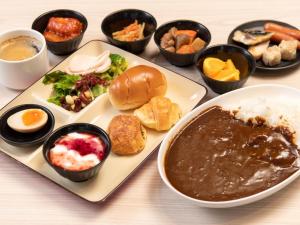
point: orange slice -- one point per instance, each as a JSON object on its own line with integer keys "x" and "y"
{"x": 212, "y": 66}
{"x": 229, "y": 65}
{"x": 228, "y": 75}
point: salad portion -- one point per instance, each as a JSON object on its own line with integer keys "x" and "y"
{"x": 75, "y": 90}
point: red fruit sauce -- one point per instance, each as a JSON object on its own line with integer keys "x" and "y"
{"x": 90, "y": 144}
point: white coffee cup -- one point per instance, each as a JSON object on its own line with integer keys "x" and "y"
{"x": 21, "y": 74}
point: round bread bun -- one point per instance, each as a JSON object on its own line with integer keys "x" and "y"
{"x": 136, "y": 86}
{"x": 127, "y": 135}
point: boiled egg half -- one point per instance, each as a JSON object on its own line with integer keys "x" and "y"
{"x": 28, "y": 120}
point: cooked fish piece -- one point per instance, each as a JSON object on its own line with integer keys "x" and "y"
{"x": 258, "y": 50}
{"x": 288, "y": 49}
{"x": 251, "y": 37}
{"x": 272, "y": 56}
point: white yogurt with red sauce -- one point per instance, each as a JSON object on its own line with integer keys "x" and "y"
{"x": 77, "y": 151}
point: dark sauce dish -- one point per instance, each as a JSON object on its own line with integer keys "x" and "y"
{"x": 259, "y": 25}
{"x": 116, "y": 21}
{"x": 182, "y": 59}
{"x": 83, "y": 175}
{"x": 19, "y": 139}
{"x": 241, "y": 58}
{"x": 63, "y": 47}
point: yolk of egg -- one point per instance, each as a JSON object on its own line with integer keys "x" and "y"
{"x": 31, "y": 117}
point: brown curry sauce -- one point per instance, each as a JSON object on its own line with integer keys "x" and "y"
{"x": 218, "y": 157}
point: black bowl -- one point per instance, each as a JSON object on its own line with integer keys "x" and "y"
{"x": 182, "y": 59}
{"x": 77, "y": 176}
{"x": 64, "y": 47}
{"x": 19, "y": 139}
{"x": 118, "y": 20}
{"x": 241, "y": 58}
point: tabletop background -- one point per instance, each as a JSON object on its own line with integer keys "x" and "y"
{"x": 27, "y": 198}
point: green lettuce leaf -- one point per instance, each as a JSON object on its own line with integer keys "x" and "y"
{"x": 98, "y": 90}
{"x": 63, "y": 84}
{"x": 55, "y": 99}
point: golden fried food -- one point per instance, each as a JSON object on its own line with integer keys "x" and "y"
{"x": 127, "y": 134}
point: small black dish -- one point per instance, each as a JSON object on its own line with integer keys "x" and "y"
{"x": 259, "y": 25}
{"x": 77, "y": 176}
{"x": 182, "y": 59}
{"x": 64, "y": 47}
{"x": 118, "y": 20}
{"x": 241, "y": 58}
{"x": 18, "y": 139}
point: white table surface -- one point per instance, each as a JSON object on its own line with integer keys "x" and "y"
{"x": 27, "y": 198}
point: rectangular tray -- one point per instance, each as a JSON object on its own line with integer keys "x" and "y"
{"x": 116, "y": 169}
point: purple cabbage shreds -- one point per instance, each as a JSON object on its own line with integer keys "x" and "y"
{"x": 64, "y": 104}
{"x": 78, "y": 106}
{"x": 83, "y": 88}
{"x": 88, "y": 81}
{"x": 84, "y": 99}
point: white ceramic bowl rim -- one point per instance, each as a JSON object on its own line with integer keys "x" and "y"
{"x": 218, "y": 204}
{"x": 25, "y": 30}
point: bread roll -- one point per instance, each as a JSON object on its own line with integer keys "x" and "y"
{"x": 159, "y": 114}
{"x": 127, "y": 135}
{"x": 136, "y": 86}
